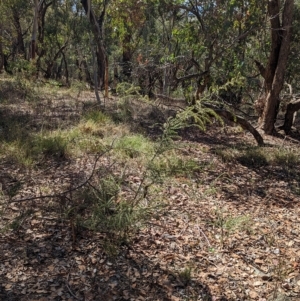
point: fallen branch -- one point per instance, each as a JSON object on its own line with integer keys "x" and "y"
{"x": 226, "y": 115}
{"x": 246, "y": 125}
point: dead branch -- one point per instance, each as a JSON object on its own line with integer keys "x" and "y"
{"x": 239, "y": 120}
{"x": 190, "y": 76}
{"x": 226, "y": 115}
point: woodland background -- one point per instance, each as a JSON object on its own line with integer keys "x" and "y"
{"x": 149, "y": 150}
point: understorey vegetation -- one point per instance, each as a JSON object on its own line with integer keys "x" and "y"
{"x": 149, "y": 150}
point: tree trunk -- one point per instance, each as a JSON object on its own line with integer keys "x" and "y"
{"x": 66, "y": 69}
{"x": 97, "y": 26}
{"x": 291, "y": 109}
{"x": 1, "y": 48}
{"x": 50, "y": 63}
{"x": 34, "y": 30}
{"x": 19, "y": 45}
{"x": 126, "y": 56}
{"x": 275, "y": 70}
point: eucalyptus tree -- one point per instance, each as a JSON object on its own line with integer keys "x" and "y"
{"x": 15, "y": 24}
{"x": 56, "y": 39}
{"x": 280, "y": 17}
{"x": 218, "y": 32}
{"x": 126, "y": 21}
{"x": 1, "y": 36}
{"x": 96, "y": 13}
{"x": 133, "y": 36}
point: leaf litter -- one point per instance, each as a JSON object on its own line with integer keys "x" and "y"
{"x": 226, "y": 232}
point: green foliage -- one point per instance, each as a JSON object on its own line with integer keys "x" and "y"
{"x": 17, "y": 88}
{"x": 287, "y": 158}
{"x": 185, "y": 275}
{"x": 97, "y": 117}
{"x": 200, "y": 115}
{"x": 126, "y": 92}
{"x": 123, "y": 113}
{"x": 51, "y": 146}
{"x": 226, "y": 154}
{"x": 256, "y": 156}
{"x": 125, "y": 89}
{"x": 17, "y": 152}
{"x": 134, "y": 145}
{"x": 173, "y": 165}
{"x": 229, "y": 224}
{"x": 107, "y": 211}
{"x": 23, "y": 68}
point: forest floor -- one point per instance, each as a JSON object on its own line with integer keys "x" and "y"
{"x": 220, "y": 215}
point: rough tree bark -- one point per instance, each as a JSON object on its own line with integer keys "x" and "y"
{"x": 273, "y": 73}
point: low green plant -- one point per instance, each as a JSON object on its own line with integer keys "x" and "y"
{"x": 78, "y": 87}
{"x": 185, "y": 275}
{"x": 253, "y": 157}
{"x": 91, "y": 127}
{"x": 55, "y": 146}
{"x": 226, "y": 154}
{"x": 17, "y": 152}
{"x": 134, "y": 146}
{"x": 230, "y": 224}
{"x": 101, "y": 206}
{"x": 173, "y": 165}
{"x": 108, "y": 212}
{"x": 285, "y": 158}
{"x": 125, "y": 89}
{"x": 198, "y": 115}
{"x": 97, "y": 117}
{"x": 124, "y": 112}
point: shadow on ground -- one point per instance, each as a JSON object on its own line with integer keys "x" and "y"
{"x": 54, "y": 268}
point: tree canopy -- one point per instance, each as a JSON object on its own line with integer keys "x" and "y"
{"x": 235, "y": 51}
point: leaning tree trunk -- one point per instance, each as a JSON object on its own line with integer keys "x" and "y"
{"x": 275, "y": 70}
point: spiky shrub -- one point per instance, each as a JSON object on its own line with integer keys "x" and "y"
{"x": 97, "y": 117}
{"x": 50, "y": 146}
{"x": 103, "y": 206}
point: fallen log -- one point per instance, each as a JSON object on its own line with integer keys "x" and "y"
{"x": 246, "y": 125}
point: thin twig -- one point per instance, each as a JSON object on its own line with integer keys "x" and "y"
{"x": 201, "y": 232}
{"x": 70, "y": 291}
{"x": 66, "y": 191}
